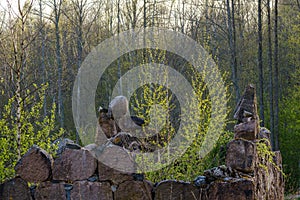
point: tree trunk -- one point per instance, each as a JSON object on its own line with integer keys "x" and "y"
{"x": 270, "y": 74}
{"x": 232, "y": 46}
{"x": 276, "y": 79}
{"x": 260, "y": 65}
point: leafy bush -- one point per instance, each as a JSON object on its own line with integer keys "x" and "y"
{"x": 36, "y": 129}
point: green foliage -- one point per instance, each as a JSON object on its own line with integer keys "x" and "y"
{"x": 190, "y": 164}
{"x": 290, "y": 136}
{"x": 36, "y": 129}
{"x": 160, "y": 108}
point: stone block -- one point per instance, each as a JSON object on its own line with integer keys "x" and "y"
{"x": 241, "y": 189}
{"x": 176, "y": 190}
{"x": 86, "y": 190}
{"x": 115, "y": 164}
{"x": 247, "y": 130}
{"x": 241, "y": 155}
{"x": 74, "y": 164}
{"x": 49, "y": 191}
{"x": 15, "y": 188}
{"x": 35, "y": 165}
{"x": 134, "y": 190}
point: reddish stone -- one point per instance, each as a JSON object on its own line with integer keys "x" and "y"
{"x": 50, "y": 191}
{"x": 35, "y": 165}
{"x": 74, "y": 164}
{"x": 246, "y": 130}
{"x": 86, "y": 190}
{"x": 115, "y": 164}
{"x": 176, "y": 190}
{"x": 241, "y": 155}
{"x": 241, "y": 189}
{"x": 134, "y": 190}
{"x": 15, "y": 188}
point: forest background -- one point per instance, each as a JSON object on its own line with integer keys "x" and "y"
{"x": 44, "y": 42}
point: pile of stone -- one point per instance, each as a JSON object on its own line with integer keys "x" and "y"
{"x": 80, "y": 173}
{"x": 75, "y": 174}
{"x": 124, "y": 130}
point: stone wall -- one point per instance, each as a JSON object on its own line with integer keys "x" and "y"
{"x": 251, "y": 172}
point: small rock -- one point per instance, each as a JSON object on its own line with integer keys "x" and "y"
{"x": 62, "y": 143}
{"x": 200, "y": 180}
{"x": 264, "y": 133}
{"x": 35, "y": 165}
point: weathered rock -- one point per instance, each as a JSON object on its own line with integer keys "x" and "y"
{"x": 74, "y": 164}
{"x": 220, "y": 172}
{"x": 127, "y": 141}
{"x": 247, "y": 130}
{"x": 246, "y": 107}
{"x": 115, "y": 164}
{"x": 49, "y": 191}
{"x": 62, "y": 144}
{"x": 241, "y": 189}
{"x": 241, "y": 155}
{"x": 91, "y": 190}
{"x": 107, "y": 126}
{"x": 269, "y": 178}
{"x": 176, "y": 190}
{"x": 15, "y": 188}
{"x": 264, "y": 133}
{"x": 35, "y": 165}
{"x": 118, "y": 107}
{"x": 200, "y": 181}
{"x": 134, "y": 190}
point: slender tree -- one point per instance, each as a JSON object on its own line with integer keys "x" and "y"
{"x": 276, "y": 79}
{"x": 270, "y": 64}
{"x": 260, "y": 64}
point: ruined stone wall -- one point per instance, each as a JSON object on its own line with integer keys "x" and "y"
{"x": 76, "y": 174}
{"x": 251, "y": 172}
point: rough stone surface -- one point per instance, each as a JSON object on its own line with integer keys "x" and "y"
{"x": 240, "y": 189}
{"x": 107, "y": 126}
{"x": 115, "y": 164}
{"x": 247, "y": 107}
{"x": 246, "y": 130}
{"x": 49, "y": 191}
{"x": 85, "y": 190}
{"x": 264, "y": 133}
{"x": 74, "y": 164}
{"x": 15, "y": 188}
{"x": 176, "y": 190}
{"x": 134, "y": 190}
{"x": 241, "y": 155}
{"x": 269, "y": 180}
{"x": 35, "y": 165}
